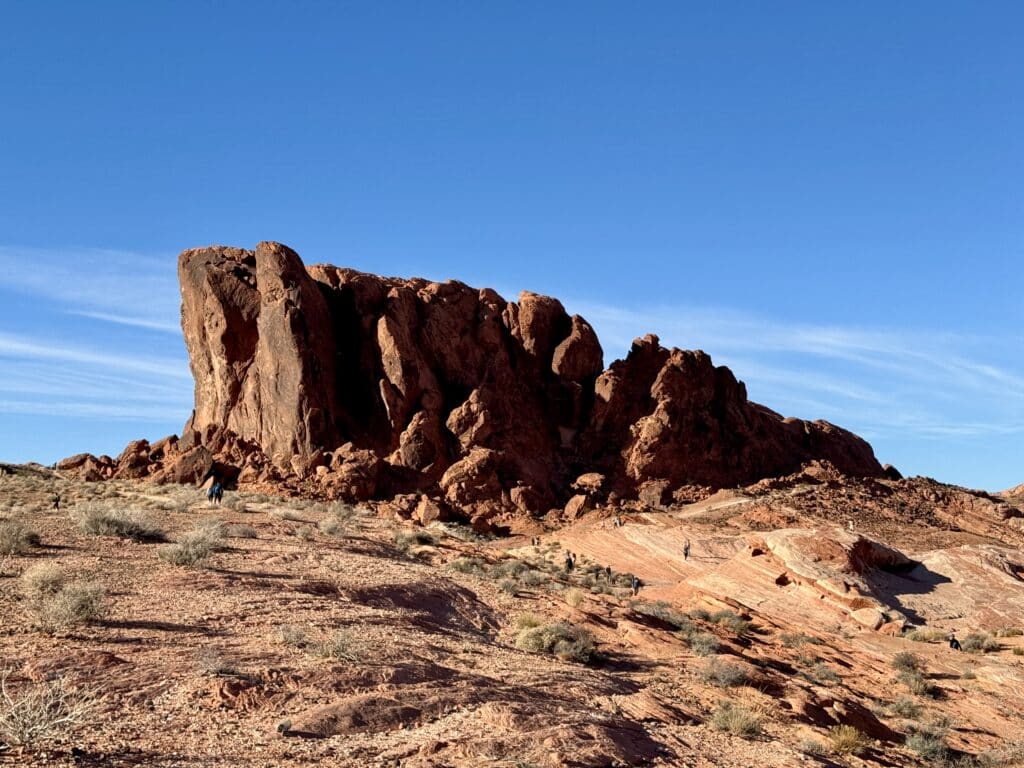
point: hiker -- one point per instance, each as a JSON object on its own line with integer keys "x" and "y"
{"x": 568, "y": 563}
{"x": 954, "y": 644}
{"x": 849, "y": 525}
{"x": 572, "y": 556}
{"x": 686, "y": 550}
{"x": 608, "y": 572}
{"x": 56, "y": 501}
{"x": 218, "y": 493}
{"x": 634, "y": 584}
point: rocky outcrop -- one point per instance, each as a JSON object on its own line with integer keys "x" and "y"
{"x": 362, "y": 386}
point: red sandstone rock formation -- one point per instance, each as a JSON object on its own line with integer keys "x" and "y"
{"x": 369, "y": 386}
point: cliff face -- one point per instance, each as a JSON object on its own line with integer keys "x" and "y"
{"x": 394, "y": 386}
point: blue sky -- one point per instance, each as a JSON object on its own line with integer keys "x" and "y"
{"x": 826, "y": 197}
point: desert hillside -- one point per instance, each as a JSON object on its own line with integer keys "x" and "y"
{"x": 146, "y": 626}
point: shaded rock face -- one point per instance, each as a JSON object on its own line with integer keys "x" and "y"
{"x": 375, "y": 386}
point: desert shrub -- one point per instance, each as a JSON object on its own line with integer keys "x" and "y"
{"x": 40, "y": 713}
{"x": 70, "y": 606}
{"x": 905, "y": 661}
{"x": 796, "y": 640}
{"x": 240, "y": 531}
{"x": 978, "y": 642}
{"x": 926, "y": 635}
{"x": 699, "y": 614}
{"x": 528, "y": 621}
{"x": 210, "y": 662}
{"x": 406, "y": 540}
{"x": 822, "y": 673}
{"x": 724, "y": 674}
{"x": 286, "y": 514}
{"x": 929, "y": 741}
{"x": 293, "y": 635}
{"x": 811, "y": 747}
{"x": 473, "y": 565}
{"x": 304, "y": 532}
{"x": 100, "y": 520}
{"x": 574, "y": 597}
{"x": 509, "y": 569}
{"x": 968, "y": 674}
{"x": 195, "y": 546}
{"x": 1009, "y": 632}
{"x": 343, "y": 645}
{"x": 1018, "y": 651}
{"x": 533, "y": 578}
{"x": 509, "y": 587}
{"x": 16, "y": 539}
{"x": 906, "y": 707}
{"x": 1008, "y": 755}
{"x": 703, "y": 643}
{"x": 847, "y": 740}
{"x": 564, "y": 640}
{"x": 731, "y": 621}
{"x": 917, "y": 683}
{"x": 664, "y": 612}
{"x": 736, "y": 720}
{"x": 42, "y": 580}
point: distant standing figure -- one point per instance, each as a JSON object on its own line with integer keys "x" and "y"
{"x": 686, "y": 550}
{"x": 634, "y": 584}
{"x": 218, "y": 493}
{"x": 56, "y": 501}
{"x": 849, "y": 525}
{"x": 608, "y": 572}
{"x": 568, "y": 563}
{"x": 954, "y": 643}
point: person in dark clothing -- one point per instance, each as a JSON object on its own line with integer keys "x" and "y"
{"x": 954, "y": 643}
{"x": 686, "y": 550}
{"x": 218, "y": 493}
{"x": 608, "y": 572}
{"x": 634, "y": 584}
{"x": 56, "y": 501}
{"x": 568, "y": 563}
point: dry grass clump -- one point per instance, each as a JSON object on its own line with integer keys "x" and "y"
{"x": 240, "y": 531}
{"x": 664, "y": 612}
{"x": 101, "y": 520}
{"x": 343, "y": 645}
{"x": 574, "y": 597}
{"x": 57, "y": 605}
{"x": 703, "y": 643}
{"x": 1009, "y": 632}
{"x": 811, "y": 747}
{"x": 925, "y": 635}
{"x": 339, "y": 517}
{"x": 978, "y": 642}
{"x": 195, "y": 546}
{"x": 847, "y": 740}
{"x": 293, "y": 635}
{"x": 906, "y": 707}
{"x": 731, "y": 621}
{"x": 724, "y": 674}
{"x": 40, "y": 713}
{"x": 528, "y": 621}
{"x": 42, "y": 580}
{"x": 406, "y": 540}
{"x": 736, "y": 720}
{"x": 16, "y": 538}
{"x": 905, "y": 661}
{"x": 562, "y": 639}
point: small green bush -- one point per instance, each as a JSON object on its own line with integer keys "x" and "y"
{"x": 664, "y": 612}
{"x": 42, "y": 580}
{"x": 406, "y": 540}
{"x": 929, "y": 741}
{"x": 917, "y": 683}
{"x": 342, "y": 645}
{"x": 1009, "y": 632}
{"x": 528, "y": 621}
{"x": 70, "y": 606}
{"x": 906, "y": 707}
{"x": 1018, "y": 651}
{"x": 731, "y": 621}
{"x": 473, "y": 565}
{"x": 736, "y": 720}
{"x": 811, "y": 747}
{"x": 926, "y": 635}
{"x": 240, "y": 531}
{"x": 194, "y": 547}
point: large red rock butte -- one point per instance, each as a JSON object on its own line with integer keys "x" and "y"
{"x": 362, "y": 386}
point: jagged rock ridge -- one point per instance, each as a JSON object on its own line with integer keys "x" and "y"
{"x": 373, "y": 386}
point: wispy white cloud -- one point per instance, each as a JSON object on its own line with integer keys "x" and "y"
{"x": 13, "y": 346}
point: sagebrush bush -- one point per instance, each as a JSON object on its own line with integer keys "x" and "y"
{"x": 929, "y": 741}
{"x": 564, "y": 640}
{"x": 472, "y": 565}
{"x": 703, "y": 643}
{"x": 736, "y": 720}
{"x": 42, "y": 580}
{"x": 664, "y": 612}
{"x": 240, "y": 531}
{"x": 343, "y": 645}
{"x": 847, "y": 740}
{"x": 978, "y": 642}
{"x": 1009, "y": 632}
{"x": 811, "y": 747}
{"x": 917, "y": 683}
{"x": 574, "y": 597}
{"x": 724, "y": 674}
{"x": 528, "y": 621}
{"x": 905, "y": 661}
{"x": 101, "y": 520}
{"x": 406, "y": 540}
{"x": 40, "y": 713}
{"x": 926, "y": 635}
{"x": 70, "y": 606}
{"x": 195, "y": 546}
{"x": 16, "y": 538}
{"x": 731, "y": 621}
{"x": 906, "y": 707}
